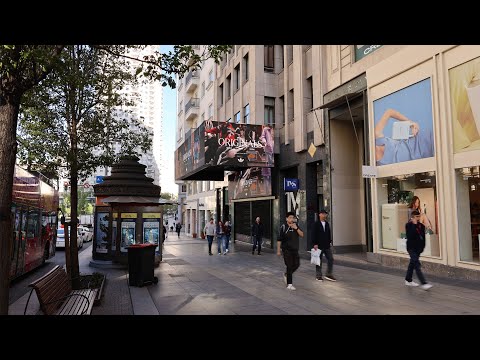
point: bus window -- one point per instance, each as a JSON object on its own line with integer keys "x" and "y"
{"x": 32, "y": 225}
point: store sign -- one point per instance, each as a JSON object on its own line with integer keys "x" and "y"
{"x": 291, "y": 184}
{"x": 369, "y": 171}
{"x": 99, "y": 179}
{"x": 363, "y": 50}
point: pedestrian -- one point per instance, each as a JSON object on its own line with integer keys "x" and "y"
{"x": 210, "y": 233}
{"x": 415, "y": 244}
{"x": 257, "y": 234}
{"x": 220, "y": 238}
{"x": 178, "y": 227}
{"x": 322, "y": 239}
{"x": 288, "y": 242}
{"x": 228, "y": 232}
{"x": 164, "y": 234}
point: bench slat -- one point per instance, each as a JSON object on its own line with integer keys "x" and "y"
{"x": 75, "y": 305}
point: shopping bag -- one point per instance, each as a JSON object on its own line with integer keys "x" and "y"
{"x": 315, "y": 257}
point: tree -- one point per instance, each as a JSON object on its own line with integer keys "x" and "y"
{"x": 23, "y": 67}
{"x": 169, "y": 209}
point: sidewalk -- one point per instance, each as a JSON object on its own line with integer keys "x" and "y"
{"x": 192, "y": 282}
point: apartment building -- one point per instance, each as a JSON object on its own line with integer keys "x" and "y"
{"x": 363, "y": 131}
{"x": 195, "y": 104}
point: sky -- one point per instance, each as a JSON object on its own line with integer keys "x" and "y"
{"x": 169, "y": 119}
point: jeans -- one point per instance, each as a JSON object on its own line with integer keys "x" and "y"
{"x": 220, "y": 242}
{"x": 257, "y": 240}
{"x": 329, "y": 256}
{"x": 227, "y": 240}
{"x": 210, "y": 241}
{"x": 292, "y": 261}
{"x": 414, "y": 264}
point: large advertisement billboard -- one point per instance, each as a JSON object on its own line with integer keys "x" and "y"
{"x": 404, "y": 125}
{"x": 217, "y": 146}
{"x": 465, "y": 100}
{"x": 249, "y": 183}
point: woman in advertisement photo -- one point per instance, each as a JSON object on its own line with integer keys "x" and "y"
{"x": 407, "y": 137}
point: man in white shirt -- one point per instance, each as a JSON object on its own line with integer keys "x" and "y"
{"x": 210, "y": 233}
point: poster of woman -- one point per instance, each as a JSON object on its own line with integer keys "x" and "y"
{"x": 465, "y": 105}
{"x": 404, "y": 125}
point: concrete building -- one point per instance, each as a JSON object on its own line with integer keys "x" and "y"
{"x": 366, "y": 130}
{"x": 195, "y": 104}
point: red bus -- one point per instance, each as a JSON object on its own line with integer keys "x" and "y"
{"x": 34, "y": 213}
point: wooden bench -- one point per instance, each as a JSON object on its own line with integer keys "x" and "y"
{"x": 56, "y": 297}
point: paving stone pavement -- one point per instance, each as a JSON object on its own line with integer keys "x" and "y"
{"x": 193, "y": 283}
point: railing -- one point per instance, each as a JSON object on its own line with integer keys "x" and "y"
{"x": 191, "y": 74}
{"x": 192, "y": 102}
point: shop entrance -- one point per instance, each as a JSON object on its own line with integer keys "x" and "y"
{"x": 350, "y": 192}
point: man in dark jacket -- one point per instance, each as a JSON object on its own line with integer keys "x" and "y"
{"x": 257, "y": 234}
{"x": 415, "y": 244}
{"x": 289, "y": 242}
{"x": 322, "y": 239}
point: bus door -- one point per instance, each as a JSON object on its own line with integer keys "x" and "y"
{"x": 32, "y": 239}
{"x": 21, "y": 240}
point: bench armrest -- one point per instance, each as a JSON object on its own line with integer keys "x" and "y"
{"x": 68, "y": 296}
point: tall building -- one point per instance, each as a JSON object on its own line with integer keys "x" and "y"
{"x": 365, "y": 132}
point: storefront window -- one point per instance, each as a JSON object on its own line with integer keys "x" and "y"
{"x": 398, "y": 196}
{"x": 468, "y": 210}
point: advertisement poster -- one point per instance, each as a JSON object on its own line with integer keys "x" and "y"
{"x": 102, "y": 233}
{"x": 240, "y": 145}
{"x": 404, "y": 125}
{"x": 128, "y": 234}
{"x": 251, "y": 182}
{"x": 151, "y": 232}
{"x": 114, "y": 232}
{"x": 465, "y": 104}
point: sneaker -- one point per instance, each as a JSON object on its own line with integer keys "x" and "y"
{"x": 330, "y": 278}
{"x": 426, "y": 286}
{"x": 259, "y": 254}
{"x": 210, "y": 253}
{"x": 290, "y": 287}
{"x": 225, "y": 253}
{"x": 319, "y": 278}
{"x": 410, "y": 283}
{"x": 219, "y": 253}
{"x": 226, "y": 250}
{"x": 284, "y": 278}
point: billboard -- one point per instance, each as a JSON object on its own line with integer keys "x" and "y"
{"x": 217, "y": 146}
{"x": 465, "y": 104}
{"x": 249, "y": 183}
{"x": 404, "y": 125}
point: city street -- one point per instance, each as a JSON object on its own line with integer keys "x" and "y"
{"x": 239, "y": 283}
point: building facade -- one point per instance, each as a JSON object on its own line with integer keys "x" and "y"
{"x": 366, "y": 132}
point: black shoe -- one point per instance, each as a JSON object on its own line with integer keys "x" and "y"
{"x": 210, "y": 253}
{"x": 253, "y": 252}
{"x": 319, "y": 278}
{"x": 259, "y": 254}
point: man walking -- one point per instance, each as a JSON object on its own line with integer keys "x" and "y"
{"x": 210, "y": 233}
{"x": 178, "y": 227}
{"x": 322, "y": 239}
{"x": 228, "y": 232}
{"x": 415, "y": 245}
{"x": 288, "y": 242}
{"x": 257, "y": 234}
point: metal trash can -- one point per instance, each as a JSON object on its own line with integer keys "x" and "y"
{"x": 141, "y": 261}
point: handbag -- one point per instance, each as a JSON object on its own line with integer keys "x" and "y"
{"x": 315, "y": 256}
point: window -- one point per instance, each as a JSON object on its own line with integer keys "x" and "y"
{"x": 237, "y": 77}
{"x": 203, "y": 89}
{"x": 246, "y": 116}
{"x": 180, "y": 106}
{"x": 281, "y": 57}
{"x": 245, "y": 67}
{"x": 291, "y": 108}
{"x": 289, "y": 54}
{"x": 210, "y": 111}
{"x": 210, "y": 77}
{"x": 269, "y": 104}
{"x": 229, "y": 120}
{"x": 228, "y": 86}
{"x": 268, "y": 58}
{"x": 309, "y": 94}
{"x": 220, "y": 95}
{"x": 281, "y": 110}
{"x": 237, "y": 117}
{"x": 184, "y": 188}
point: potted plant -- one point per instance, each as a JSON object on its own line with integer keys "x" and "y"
{"x": 202, "y": 234}
{"x": 194, "y": 235}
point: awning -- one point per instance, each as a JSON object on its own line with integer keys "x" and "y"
{"x": 341, "y": 100}
{"x": 138, "y": 199}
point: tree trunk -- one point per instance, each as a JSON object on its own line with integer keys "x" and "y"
{"x": 75, "y": 272}
{"x": 8, "y": 151}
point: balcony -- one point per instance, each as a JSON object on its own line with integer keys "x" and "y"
{"x": 192, "y": 109}
{"x": 191, "y": 81}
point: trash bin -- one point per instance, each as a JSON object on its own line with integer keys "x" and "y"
{"x": 141, "y": 260}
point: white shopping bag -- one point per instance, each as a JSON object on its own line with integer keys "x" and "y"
{"x": 315, "y": 256}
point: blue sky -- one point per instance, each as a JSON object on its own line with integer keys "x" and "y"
{"x": 169, "y": 120}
